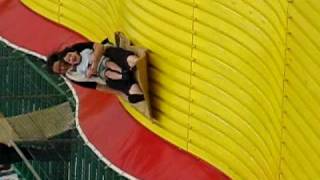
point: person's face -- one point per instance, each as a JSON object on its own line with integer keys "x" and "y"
{"x": 60, "y": 67}
{"x": 72, "y": 58}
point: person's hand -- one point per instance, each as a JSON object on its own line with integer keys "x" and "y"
{"x": 91, "y": 71}
{"x": 94, "y": 66}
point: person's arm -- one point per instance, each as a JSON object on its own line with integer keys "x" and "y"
{"x": 98, "y": 50}
{"x": 90, "y": 85}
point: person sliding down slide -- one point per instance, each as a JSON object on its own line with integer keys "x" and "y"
{"x": 95, "y": 65}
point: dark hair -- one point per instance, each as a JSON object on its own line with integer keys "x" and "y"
{"x": 52, "y": 58}
{"x": 56, "y": 56}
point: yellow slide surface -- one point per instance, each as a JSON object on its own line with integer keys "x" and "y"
{"x": 234, "y": 82}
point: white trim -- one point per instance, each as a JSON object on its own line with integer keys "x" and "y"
{"x": 84, "y": 137}
{"x": 23, "y": 49}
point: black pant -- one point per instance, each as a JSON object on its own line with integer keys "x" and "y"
{"x": 119, "y": 56}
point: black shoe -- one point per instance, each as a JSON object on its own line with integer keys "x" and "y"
{"x": 106, "y": 41}
{"x": 134, "y": 68}
{"x": 135, "y": 98}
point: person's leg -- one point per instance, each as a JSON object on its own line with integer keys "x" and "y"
{"x": 129, "y": 87}
{"x": 135, "y": 89}
{"x": 119, "y": 85}
{"x": 113, "y": 66}
{"x": 123, "y": 58}
{"x": 110, "y": 74}
{"x": 113, "y": 71}
{"x": 132, "y": 60}
{"x": 135, "y": 93}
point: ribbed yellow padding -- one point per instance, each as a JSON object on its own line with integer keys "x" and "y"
{"x": 301, "y": 117}
{"x": 233, "y": 82}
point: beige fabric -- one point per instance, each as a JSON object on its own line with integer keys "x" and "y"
{"x": 38, "y": 125}
{"x": 6, "y": 131}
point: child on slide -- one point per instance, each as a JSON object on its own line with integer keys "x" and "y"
{"x": 92, "y": 64}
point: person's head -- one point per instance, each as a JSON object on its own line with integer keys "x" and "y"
{"x": 72, "y": 58}
{"x": 60, "y": 62}
{"x": 56, "y": 64}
